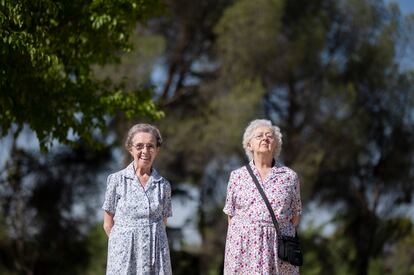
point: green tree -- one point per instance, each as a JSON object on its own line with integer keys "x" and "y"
{"x": 402, "y": 257}
{"x": 97, "y": 250}
{"x": 46, "y": 52}
{"x": 328, "y": 73}
{"x": 334, "y": 85}
{"x": 325, "y": 71}
{"x": 47, "y": 206}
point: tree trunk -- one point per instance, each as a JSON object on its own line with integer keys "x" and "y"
{"x": 365, "y": 232}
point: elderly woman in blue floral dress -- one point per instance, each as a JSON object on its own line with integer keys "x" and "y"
{"x": 251, "y": 244}
{"x": 136, "y": 207}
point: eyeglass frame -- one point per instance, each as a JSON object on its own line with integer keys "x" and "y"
{"x": 270, "y": 136}
{"x": 149, "y": 146}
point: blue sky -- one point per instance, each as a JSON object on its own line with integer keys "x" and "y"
{"x": 406, "y": 6}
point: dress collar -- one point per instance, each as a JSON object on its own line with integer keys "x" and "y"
{"x": 276, "y": 164}
{"x": 277, "y": 168}
{"x": 129, "y": 172}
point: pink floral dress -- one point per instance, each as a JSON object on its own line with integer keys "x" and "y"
{"x": 251, "y": 244}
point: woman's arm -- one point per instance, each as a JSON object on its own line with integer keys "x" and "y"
{"x": 167, "y": 207}
{"x": 108, "y": 222}
{"x": 296, "y": 202}
{"x": 229, "y": 218}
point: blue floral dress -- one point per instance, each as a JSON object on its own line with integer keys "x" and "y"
{"x": 138, "y": 241}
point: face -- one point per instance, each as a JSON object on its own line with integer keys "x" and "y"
{"x": 144, "y": 149}
{"x": 263, "y": 141}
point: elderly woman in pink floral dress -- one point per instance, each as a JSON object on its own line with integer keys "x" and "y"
{"x": 251, "y": 244}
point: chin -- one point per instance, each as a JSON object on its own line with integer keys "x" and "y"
{"x": 266, "y": 152}
{"x": 144, "y": 162}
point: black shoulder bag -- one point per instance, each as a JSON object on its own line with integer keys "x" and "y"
{"x": 288, "y": 247}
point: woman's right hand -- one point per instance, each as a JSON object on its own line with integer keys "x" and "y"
{"x": 107, "y": 228}
{"x": 108, "y": 222}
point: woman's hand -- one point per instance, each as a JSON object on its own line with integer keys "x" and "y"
{"x": 295, "y": 220}
{"x": 108, "y": 222}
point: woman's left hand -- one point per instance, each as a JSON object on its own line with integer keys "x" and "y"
{"x": 295, "y": 220}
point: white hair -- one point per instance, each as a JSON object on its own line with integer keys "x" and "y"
{"x": 248, "y": 135}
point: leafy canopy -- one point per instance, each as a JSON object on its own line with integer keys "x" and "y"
{"x": 46, "y": 52}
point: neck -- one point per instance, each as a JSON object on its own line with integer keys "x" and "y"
{"x": 262, "y": 161}
{"x": 140, "y": 171}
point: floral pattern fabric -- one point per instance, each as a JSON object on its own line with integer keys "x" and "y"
{"x": 138, "y": 241}
{"x": 251, "y": 244}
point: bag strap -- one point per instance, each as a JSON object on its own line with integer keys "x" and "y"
{"x": 262, "y": 193}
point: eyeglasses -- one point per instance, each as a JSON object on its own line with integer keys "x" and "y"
{"x": 260, "y": 136}
{"x": 141, "y": 146}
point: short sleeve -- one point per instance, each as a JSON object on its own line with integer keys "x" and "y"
{"x": 230, "y": 205}
{"x": 167, "y": 209}
{"x": 296, "y": 200}
{"x": 111, "y": 199}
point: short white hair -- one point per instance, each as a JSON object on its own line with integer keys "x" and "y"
{"x": 248, "y": 135}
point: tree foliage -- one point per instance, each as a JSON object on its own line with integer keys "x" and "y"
{"x": 345, "y": 106}
{"x": 330, "y": 76}
{"x": 46, "y": 52}
{"x": 47, "y": 204}
{"x": 327, "y": 72}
